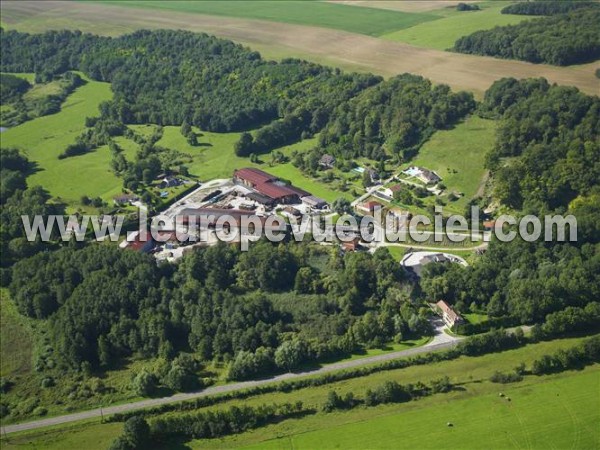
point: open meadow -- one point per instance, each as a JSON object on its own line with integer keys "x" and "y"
{"x": 44, "y": 138}
{"x": 444, "y": 32}
{"x": 458, "y": 156}
{"x": 542, "y": 409}
{"x": 550, "y": 413}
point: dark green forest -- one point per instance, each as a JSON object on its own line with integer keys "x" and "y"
{"x": 547, "y": 8}
{"x": 561, "y": 40}
{"x": 263, "y": 309}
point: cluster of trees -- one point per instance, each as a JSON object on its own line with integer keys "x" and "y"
{"x": 577, "y": 357}
{"x": 562, "y": 39}
{"x": 16, "y": 199}
{"x": 547, "y": 8}
{"x": 392, "y": 118}
{"x": 243, "y": 307}
{"x": 554, "y": 133}
{"x": 212, "y": 424}
{"x": 188, "y": 133}
{"x": 167, "y": 77}
{"x": 467, "y": 7}
{"x": 12, "y": 87}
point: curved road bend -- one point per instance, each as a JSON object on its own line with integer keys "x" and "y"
{"x": 440, "y": 341}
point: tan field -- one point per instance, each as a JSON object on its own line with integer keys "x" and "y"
{"x": 405, "y": 5}
{"x": 275, "y": 40}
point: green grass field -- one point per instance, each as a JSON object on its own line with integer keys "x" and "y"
{"x": 16, "y": 345}
{"x": 535, "y": 417}
{"x": 553, "y": 413}
{"x": 44, "y": 138}
{"x": 370, "y": 21}
{"x": 457, "y": 156}
{"x": 443, "y": 33}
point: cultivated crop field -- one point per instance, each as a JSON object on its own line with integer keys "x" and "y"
{"x": 351, "y": 51}
{"x": 370, "y": 21}
{"x": 444, "y": 32}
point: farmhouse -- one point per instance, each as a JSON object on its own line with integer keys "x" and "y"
{"x": 450, "y": 316}
{"x": 425, "y": 175}
{"x": 327, "y": 161}
{"x": 390, "y": 191}
{"x": 169, "y": 182}
{"x": 314, "y": 202}
{"x": 268, "y": 185}
{"x": 369, "y": 207}
{"x": 125, "y": 199}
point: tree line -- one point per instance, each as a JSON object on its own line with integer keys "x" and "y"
{"x": 562, "y": 39}
{"x": 547, "y": 8}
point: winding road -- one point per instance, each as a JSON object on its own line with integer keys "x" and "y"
{"x": 440, "y": 341}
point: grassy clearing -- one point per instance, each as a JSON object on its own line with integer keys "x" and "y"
{"x": 16, "y": 343}
{"x": 289, "y": 172}
{"x": 44, "y": 138}
{"x": 370, "y": 21}
{"x": 535, "y": 412}
{"x": 443, "y": 33}
{"x": 458, "y": 155}
{"x": 43, "y": 90}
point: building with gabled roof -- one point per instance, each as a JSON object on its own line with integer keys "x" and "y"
{"x": 450, "y": 316}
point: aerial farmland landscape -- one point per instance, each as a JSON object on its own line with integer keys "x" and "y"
{"x": 300, "y": 224}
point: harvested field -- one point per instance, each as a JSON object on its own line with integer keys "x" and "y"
{"x": 405, "y": 5}
{"x": 275, "y": 40}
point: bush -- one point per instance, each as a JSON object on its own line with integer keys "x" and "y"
{"x": 499, "y": 377}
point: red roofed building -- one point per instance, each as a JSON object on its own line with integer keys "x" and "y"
{"x": 268, "y": 185}
{"x": 450, "y": 316}
{"x": 369, "y": 207}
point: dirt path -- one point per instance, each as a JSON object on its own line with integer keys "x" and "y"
{"x": 343, "y": 49}
{"x": 440, "y": 341}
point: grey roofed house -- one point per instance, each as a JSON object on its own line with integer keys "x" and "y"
{"x": 428, "y": 176}
{"x": 314, "y": 202}
{"x": 125, "y": 198}
{"x": 438, "y": 257}
{"x": 327, "y": 161}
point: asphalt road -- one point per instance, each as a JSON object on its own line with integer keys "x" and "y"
{"x": 440, "y": 341}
